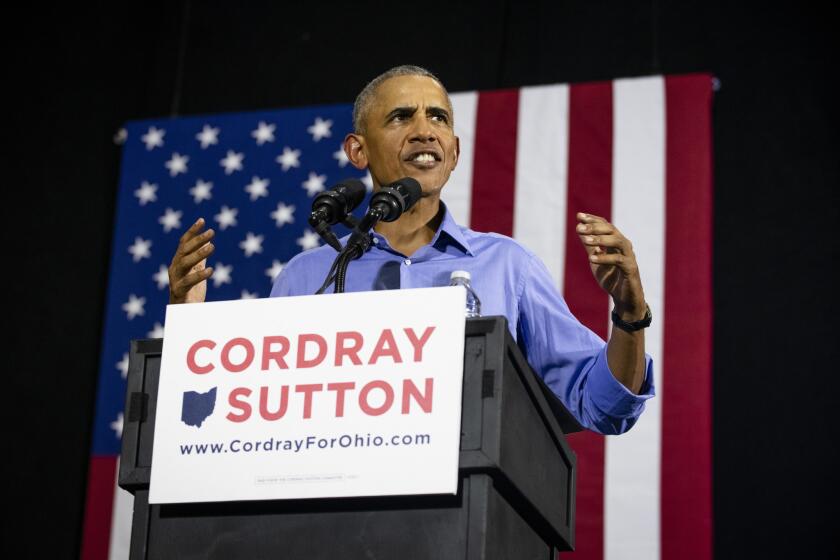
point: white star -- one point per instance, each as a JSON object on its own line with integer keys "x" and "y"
{"x": 252, "y": 244}
{"x": 289, "y": 158}
{"x": 122, "y": 365}
{"x": 284, "y": 214}
{"x": 208, "y": 136}
{"x": 117, "y": 425}
{"x": 134, "y": 306}
{"x": 264, "y": 133}
{"x": 232, "y": 162}
{"x": 248, "y": 295}
{"x": 120, "y": 137}
{"x": 310, "y": 240}
{"x": 321, "y": 129}
{"x": 146, "y": 193}
{"x": 162, "y": 277}
{"x": 368, "y": 181}
{"x": 341, "y": 156}
{"x": 257, "y": 188}
{"x": 170, "y": 220}
{"x": 140, "y": 249}
{"x": 177, "y": 164}
{"x": 221, "y": 274}
{"x": 153, "y": 138}
{"x": 201, "y": 191}
{"x": 314, "y": 184}
{"x": 156, "y": 332}
{"x": 226, "y": 217}
{"x": 276, "y": 268}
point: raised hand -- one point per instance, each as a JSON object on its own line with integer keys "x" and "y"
{"x": 188, "y": 272}
{"x": 614, "y": 264}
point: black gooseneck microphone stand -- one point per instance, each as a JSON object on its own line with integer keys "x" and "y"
{"x": 387, "y": 204}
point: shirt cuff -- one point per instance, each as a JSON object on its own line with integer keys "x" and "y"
{"x": 613, "y": 398}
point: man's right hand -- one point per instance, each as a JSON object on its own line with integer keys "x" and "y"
{"x": 187, "y": 273}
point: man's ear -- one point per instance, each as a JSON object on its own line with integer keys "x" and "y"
{"x": 354, "y": 147}
{"x": 457, "y": 153}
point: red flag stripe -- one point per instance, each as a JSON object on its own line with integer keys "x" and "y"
{"x": 99, "y": 504}
{"x": 686, "y": 492}
{"x": 494, "y": 164}
{"x": 589, "y": 190}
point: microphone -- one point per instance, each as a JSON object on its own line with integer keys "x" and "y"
{"x": 335, "y": 205}
{"x": 332, "y": 206}
{"x": 387, "y": 204}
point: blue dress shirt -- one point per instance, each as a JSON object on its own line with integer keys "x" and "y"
{"x": 510, "y": 280}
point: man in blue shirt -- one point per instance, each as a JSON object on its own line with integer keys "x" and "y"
{"x": 403, "y": 125}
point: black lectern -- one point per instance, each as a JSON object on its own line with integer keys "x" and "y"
{"x": 515, "y": 499}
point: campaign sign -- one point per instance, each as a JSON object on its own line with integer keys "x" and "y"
{"x": 305, "y": 397}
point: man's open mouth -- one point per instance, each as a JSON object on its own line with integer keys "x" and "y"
{"x": 424, "y": 158}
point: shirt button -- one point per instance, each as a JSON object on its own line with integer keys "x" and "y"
{"x": 407, "y": 262}
{"x": 375, "y": 241}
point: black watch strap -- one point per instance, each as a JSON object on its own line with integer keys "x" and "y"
{"x": 634, "y": 326}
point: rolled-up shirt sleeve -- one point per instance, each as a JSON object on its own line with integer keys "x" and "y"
{"x": 572, "y": 360}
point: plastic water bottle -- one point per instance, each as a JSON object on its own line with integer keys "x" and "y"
{"x": 462, "y": 278}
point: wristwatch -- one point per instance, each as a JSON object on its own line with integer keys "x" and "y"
{"x": 635, "y": 325}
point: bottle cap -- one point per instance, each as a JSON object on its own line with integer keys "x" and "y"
{"x": 459, "y": 274}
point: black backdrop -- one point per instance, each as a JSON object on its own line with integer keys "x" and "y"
{"x": 79, "y": 72}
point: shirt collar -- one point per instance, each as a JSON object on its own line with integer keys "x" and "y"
{"x": 449, "y": 227}
{"x": 448, "y": 230}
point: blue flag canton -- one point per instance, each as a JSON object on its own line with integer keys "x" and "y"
{"x": 252, "y": 176}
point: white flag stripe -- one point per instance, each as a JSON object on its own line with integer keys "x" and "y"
{"x": 120, "y": 543}
{"x": 633, "y": 461}
{"x": 457, "y": 194}
{"x": 542, "y": 151}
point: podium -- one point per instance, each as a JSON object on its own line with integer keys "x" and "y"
{"x": 516, "y": 490}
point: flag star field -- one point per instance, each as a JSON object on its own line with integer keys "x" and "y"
{"x": 251, "y": 176}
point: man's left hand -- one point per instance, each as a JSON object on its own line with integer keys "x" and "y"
{"x": 614, "y": 265}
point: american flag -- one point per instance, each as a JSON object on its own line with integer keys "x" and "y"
{"x": 637, "y": 151}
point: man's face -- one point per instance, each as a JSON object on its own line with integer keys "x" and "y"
{"x": 409, "y": 133}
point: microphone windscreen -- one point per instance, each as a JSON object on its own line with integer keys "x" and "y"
{"x": 411, "y": 191}
{"x": 335, "y": 204}
{"x": 397, "y": 197}
{"x": 354, "y": 191}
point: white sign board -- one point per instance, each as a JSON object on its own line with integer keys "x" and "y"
{"x": 317, "y": 396}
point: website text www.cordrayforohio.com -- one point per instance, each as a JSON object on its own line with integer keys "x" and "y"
{"x": 308, "y": 443}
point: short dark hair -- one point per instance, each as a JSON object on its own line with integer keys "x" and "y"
{"x": 363, "y": 101}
